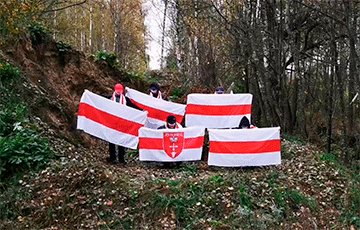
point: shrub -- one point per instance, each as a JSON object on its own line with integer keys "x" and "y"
{"x": 8, "y": 72}
{"x": 290, "y": 200}
{"x": 177, "y": 93}
{"x": 109, "y": 58}
{"x": 22, "y": 149}
{"x": 134, "y": 75}
{"x": 38, "y": 33}
{"x": 62, "y": 46}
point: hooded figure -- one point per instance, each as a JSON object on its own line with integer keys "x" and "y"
{"x": 155, "y": 90}
{"x": 219, "y": 90}
{"x": 244, "y": 123}
{"x": 171, "y": 123}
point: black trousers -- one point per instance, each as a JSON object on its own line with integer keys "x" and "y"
{"x": 121, "y": 151}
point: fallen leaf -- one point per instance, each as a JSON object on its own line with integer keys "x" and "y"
{"x": 109, "y": 203}
{"x": 101, "y": 223}
{"x": 21, "y": 219}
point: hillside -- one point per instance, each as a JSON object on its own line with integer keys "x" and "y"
{"x": 79, "y": 190}
{"x": 57, "y": 75}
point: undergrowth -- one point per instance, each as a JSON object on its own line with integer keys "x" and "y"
{"x": 21, "y": 148}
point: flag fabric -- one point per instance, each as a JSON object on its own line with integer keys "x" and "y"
{"x": 171, "y": 145}
{"x": 158, "y": 109}
{"x": 217, "y": 110}
{"x": 244, "y": 147}
{"x": 109, "y": 120}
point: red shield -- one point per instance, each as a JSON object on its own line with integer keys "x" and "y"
{"x": 173, "y": 144}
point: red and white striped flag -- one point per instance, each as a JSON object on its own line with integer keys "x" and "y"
{"x": 158, "y": 109}
{"x": 171, "y": 145}
{"x": 109, "y": 120}
{"x": 217, "y": 110}
{"x": 244, "y": 147}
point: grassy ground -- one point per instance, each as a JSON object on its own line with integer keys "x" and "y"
{"x": 80, "y": 191}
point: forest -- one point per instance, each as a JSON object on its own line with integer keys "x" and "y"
{"x": 298, "y": 58}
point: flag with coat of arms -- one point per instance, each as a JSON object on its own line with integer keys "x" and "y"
{"x": 171, "y": 145}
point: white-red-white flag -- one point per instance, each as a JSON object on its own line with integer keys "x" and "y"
{"x": 109, "y": 120}
{"x": 171, "y": 145}
{"x": 158, "y": 109}
{"x": 217, "y": 110}
{"x": 244, "y": 147}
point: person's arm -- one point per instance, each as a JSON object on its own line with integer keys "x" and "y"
{"x": 131, "y": 104}
{"x": 107, "y": 96}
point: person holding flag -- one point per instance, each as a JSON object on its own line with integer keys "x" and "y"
{"x": 170, "y": 124}
{"x": 245, "y": 124}
{"x": 155, "y": 90}
{"x": 119, "y": 97}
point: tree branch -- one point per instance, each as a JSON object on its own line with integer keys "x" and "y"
{"x": 65, "y": 7}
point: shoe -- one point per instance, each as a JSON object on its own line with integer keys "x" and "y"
{"x": 108, "y": 159}
{"x": 166, "y": 165}
{"x": 122, "y": 163}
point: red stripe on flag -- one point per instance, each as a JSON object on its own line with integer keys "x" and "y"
{"x": 251, "y": 147}
{"x": 218, "y": 110}
{"x": 109, "y": 120}
{"x": 157, "y": 113}
{"x": 157, "y": 143}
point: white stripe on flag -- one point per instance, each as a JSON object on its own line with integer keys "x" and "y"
{"x": 220, "y": 99}
{"x": 244, "y": 147}
{"x": 213, "y": 122}
{"x": 107, "y": 134}
{"x": 161, "y": 156}
{"x": 231, "y": 160}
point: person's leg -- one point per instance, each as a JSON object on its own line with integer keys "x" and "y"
{"x": 166, "y": 165}
{"x": 121, "y": 150}
{"x": 112, "y": 153}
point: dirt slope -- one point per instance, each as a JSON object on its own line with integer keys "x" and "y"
{"x": 57, "y": 77}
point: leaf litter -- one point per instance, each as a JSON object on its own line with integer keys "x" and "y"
{"x": 82, "y": 191}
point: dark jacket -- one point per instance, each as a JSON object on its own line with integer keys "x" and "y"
{"x": 128, "y": 102}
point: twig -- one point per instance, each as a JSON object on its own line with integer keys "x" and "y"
{"x": 65, "y": 7}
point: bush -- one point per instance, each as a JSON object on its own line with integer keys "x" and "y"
{"x": 62, "y": 46}
{"x": 8, "y": 72}
{"x": 177, "y": 93}
{"x": 38, "y": 33}
{"x": 22, "y": 149}
{"x": 109, "y": 58}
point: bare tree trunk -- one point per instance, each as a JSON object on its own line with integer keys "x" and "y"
{"x": 91, "y": 29}
{"x": 102, "y": 36}
{"x": 55, "y": 24}
{"x": 340, "y": 73}
{"x": 330, "y": 74}
{"x": 163, "y": 35}
{"x": 273, "y": 84}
